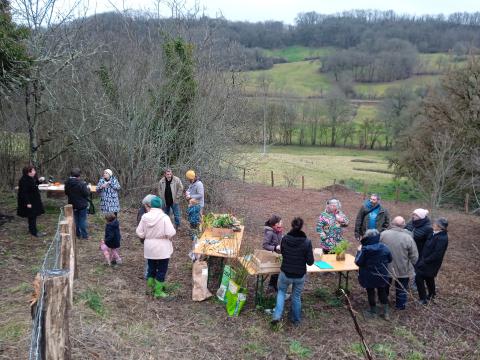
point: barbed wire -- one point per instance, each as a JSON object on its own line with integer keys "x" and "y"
{"x": 50, "y": 263}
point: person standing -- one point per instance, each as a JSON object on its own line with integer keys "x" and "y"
{"x": 404, "y": 257}
{"x": 372, "y": 259}
{"x": 272, "y": 237}
{"x": 29, "y": 201}
{"x": 195, "y": 188}
{"x": 297, "y": 252}
{"x": 156, "y": 229}
{"x": 431, "y": 260}
{"x": 372, "y": 215}
{"x": 77, "y": 192}
{"x": 170, "y": 190}
{"x": 330, "y": 225}
{"x": 420, "y": 227}
{"x": 108, "y": 187}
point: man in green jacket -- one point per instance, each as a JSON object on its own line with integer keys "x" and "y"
{"x": 371, "y": 215}
{"x": 170, "y": 190}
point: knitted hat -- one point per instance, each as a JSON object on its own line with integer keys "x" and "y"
{"x": 442, "y": 222}
{"x": 190, "y": 175}
{"x": 421, "y": 213}
{"x": 156, "y": 202}
{"x": 147, "y": 199}
{"x": 109, "y": 172}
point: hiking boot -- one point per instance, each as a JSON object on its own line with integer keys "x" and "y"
{"x": 159, "y": 290}
{"x": 370, "y": 313}
{"x": 150, "y": 285}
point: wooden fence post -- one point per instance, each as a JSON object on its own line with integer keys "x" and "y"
{"x": 271, "y": 175}
{"x": 365, "y": 190}
{"x": 67, "y": 257}
{"x": 303, "y": 182}
{"x": 68, "y": 210}
{"x": 56, "y": 331}
{"x": 244, "y": 170}
{"x": 397, "y": 194}
{"x": 467, "y": 198}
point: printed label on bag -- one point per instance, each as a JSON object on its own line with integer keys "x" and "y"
{"x": 242, "y": 297}
{"x": 233, "y": 287}
{"x": 205, "y": 272}
{"x": 221, "y": 292}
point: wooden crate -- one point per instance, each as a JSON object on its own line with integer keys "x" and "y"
{"x": 266, "y": 260}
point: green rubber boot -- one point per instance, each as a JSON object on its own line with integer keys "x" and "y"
{"x": 158, "y": 292}
{"x": 370, "y": 313}
{"x": 386, "y": 312}
{"x": 150, "y": 285}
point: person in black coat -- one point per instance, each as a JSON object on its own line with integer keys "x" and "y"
{"x": 431, "y": 259}
{"x": 78, "y": 192}
{"x": 297, "y": 252}
{"x": 420, "y": 227}
{"x": 372, "y": 259}
{"x": 29, "y": 200}
{"x": 111, "y": 242}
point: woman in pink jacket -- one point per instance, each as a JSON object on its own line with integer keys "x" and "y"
{"x": 156, "y": 229}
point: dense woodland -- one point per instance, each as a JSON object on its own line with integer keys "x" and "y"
{"x": 137, "y": 92}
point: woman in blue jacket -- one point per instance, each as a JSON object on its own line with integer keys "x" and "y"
{"x": 430, "y": 260}
{"x": 373, "y": 258}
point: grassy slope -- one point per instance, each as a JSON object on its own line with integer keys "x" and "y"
{"x": 297, "y": 53}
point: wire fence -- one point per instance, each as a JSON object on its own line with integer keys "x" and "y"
{"x": 51, "y": 265}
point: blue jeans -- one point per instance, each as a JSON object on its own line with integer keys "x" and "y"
{"x": 80, "y": 217}
{"x": 176, "y": 212}
{"x": 297, "y": 288}
{"x": 401, "y": 288}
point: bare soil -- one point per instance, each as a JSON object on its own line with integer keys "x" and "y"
{"x": 131, "y": 325}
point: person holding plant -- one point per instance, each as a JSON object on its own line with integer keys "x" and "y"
{"x": 372, "y": 215}
{"x": 156, "y": 229}
{"x": 272, "y": 237}
{"x": 372, "y": 259}
{"x": 431, "y": 260}
{"x": 330, "y": 225}
{"x": 108, "y": 187}
{"x": 296, "y": 250}
{"x": 30, "y": 204}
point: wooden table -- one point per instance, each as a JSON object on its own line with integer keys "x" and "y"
{"x": 57, "y": 189}
{"x": 343, "y": 268}
{"x": 217, "y": 246}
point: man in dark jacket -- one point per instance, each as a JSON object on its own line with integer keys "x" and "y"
{"x": 371, "y": 215}
{"x": 297, "y": 252}
{"x": 29, "y": 200}
{"x": 431, "y": 259}
{"x": 78, "y": 192}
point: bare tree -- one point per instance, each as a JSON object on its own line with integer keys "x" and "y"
{"x": 339, "y": 110}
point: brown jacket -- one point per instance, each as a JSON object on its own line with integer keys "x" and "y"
{"x": 176, "y": 186}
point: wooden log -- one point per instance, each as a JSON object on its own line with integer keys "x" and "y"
{"x": 68, "y": 211}
{"x": 56, "y": 340}
{"x": 64, "y": 227}
{"x": 67, "y": 257}
{"x": 303, "y": 182}
{"x": 271, "y": 176}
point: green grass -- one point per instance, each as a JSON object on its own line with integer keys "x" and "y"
{"x": 387, "y": 190}
{"x": 297, "y": 53}
{"x": 93, "y": 300}
{"x": 298, "y": 79}
{"x": 11, "y": 331}
{"x": 377, "y": 90}
{"x": 326, "y": 295}
{"x": 319, "y": 166}
{"x": 298, "y": 350}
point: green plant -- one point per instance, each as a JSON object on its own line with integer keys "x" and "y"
{"x": 341, "y": 247}
{"x": 415, "y": 355}
{"x": 297, "y": 349}
{"x": 93, "y": 300}
{"x": 385, "y": 350}
{"x": 325, "y": 295}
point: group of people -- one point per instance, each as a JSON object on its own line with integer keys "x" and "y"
{"x": 389, "y": 254}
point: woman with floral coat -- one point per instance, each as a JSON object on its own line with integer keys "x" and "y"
{"x": 329, "y": 225}
{"x": 108, "y": 187}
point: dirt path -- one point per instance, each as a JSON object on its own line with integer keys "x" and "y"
{"x": 129, "y": 325}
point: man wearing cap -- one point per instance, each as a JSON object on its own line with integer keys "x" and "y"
{"x": 404, "y": 257}
{"x": 195, "y": 189}
{"x": 170, "y": 190}
{"x": 431, "y": 259}
{"x": 420, "y": 227}
{"x": 372, "y": 215}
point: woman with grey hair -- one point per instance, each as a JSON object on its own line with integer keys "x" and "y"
{"x": 372, "y": 259}
{"x": 146, "y": 203}
{"x": 330, "y": 224}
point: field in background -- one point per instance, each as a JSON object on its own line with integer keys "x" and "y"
{"x": 361, "y": 170}
{"x": 297, "y": 53}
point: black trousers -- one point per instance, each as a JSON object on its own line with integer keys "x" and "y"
{"x": 32, "y": 225}
{"x": 430, "y": 281}
{"x": 273, "y": 281}
{"x": 157, "y": 268}
{"x": 382, "y": 295}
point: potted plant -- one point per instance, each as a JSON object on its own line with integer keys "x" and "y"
{"x": 340, "y": 249}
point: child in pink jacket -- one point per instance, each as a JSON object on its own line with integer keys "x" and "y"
{"x": 157, "y": 230}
